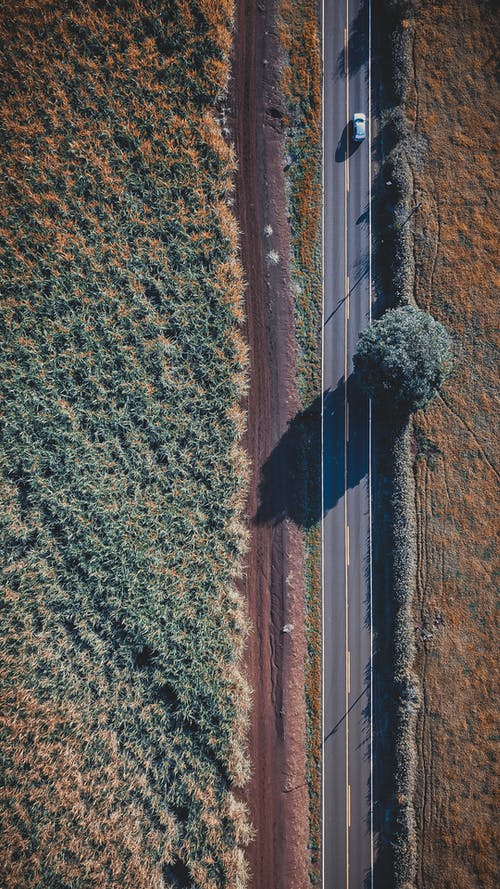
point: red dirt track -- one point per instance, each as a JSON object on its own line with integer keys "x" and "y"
{"x": 277, "y": 794}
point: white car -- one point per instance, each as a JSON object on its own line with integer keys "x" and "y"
{"x": 358, "y": 127}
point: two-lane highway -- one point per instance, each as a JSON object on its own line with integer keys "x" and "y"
{"x": 348, "y": 842}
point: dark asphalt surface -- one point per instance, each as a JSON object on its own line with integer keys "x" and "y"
{"x": 347, "y": 803}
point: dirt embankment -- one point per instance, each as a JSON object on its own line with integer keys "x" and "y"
{"x": 453, "y": 109}
{"x": 277, "y": 794}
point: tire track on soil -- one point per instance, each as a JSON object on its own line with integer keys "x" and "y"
{"x": 278, "y": 857}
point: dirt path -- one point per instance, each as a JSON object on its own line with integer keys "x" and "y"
{"x": 277, "y": 794}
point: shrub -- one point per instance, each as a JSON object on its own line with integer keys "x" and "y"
{"x": 403, "y": 358}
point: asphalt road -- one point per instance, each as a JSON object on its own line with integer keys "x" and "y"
{"x": 348, "y": 842}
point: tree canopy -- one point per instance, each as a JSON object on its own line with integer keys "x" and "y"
{"x": 403, "y": 358}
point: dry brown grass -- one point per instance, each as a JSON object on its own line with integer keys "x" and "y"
{"x": 453, "y": 109}
{"x": 301, "y": 86}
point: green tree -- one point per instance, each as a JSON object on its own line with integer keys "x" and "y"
{"x": 403, "y": 359}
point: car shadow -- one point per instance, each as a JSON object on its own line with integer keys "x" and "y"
{"x": 346, "y": 146}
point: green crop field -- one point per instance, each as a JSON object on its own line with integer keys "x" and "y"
{"x": 124, "y": 709}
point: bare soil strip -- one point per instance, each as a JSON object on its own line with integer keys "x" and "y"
{"x": 277, "y": 794}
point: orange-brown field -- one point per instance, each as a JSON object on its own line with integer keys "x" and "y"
{"x": 453, "y": 108}
{"x": 124, "y": 708}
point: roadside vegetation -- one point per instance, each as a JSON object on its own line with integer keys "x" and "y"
{"x": 403, "y": 359}
{"x": 437, "y": 250}
{"x": 301, "y": 86}
{"x": 124, "y": 708}
{"x": 396, "y": 691}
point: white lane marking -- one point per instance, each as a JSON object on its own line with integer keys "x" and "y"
{"x": 348, "y": 805}
{"x": 347, "y": 547}
{"x": 348, "y": 671}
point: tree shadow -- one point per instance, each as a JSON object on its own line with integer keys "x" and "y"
{"x": 366, "y": 714}
{"x": 361, "y": 268}
{"x": 357, "y": 47}
{"x": 290, "y": 485}
{"x": 339, "y": 476}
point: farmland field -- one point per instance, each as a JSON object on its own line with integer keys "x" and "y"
{"x": 452, "y": 105}
{"x": 124, "y": 708}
